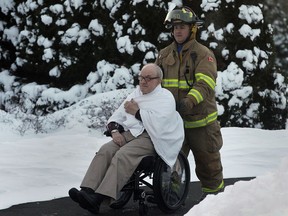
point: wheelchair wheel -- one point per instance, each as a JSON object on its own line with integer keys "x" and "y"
{"x": 171, "y": 186}
{"x": 123, "y": 199}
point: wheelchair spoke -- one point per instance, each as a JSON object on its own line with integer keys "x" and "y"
{"x": 171, "y": 184}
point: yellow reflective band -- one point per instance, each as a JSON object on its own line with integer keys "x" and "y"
{"x": 175, "y": 83}
{"x": 170, "y": 83}
{"x": 196, "y": 94}
{"x": 208, "y": 190}
{"x": 207, "y": 79}
{"x": 183, "y": 84}
{"x": 185, "y": 11}
{"x": 202, "y": 122}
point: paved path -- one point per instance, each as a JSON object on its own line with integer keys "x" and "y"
{"x": 66, "y": 207}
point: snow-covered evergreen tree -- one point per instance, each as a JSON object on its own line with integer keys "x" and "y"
{"x": 52, "y": 49}
{"x": 250, "y": 90}
{"x": 60, "y": 42}
{"x": 276, "y": 14}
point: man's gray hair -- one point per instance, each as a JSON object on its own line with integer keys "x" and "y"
{"x": 157, "y": 69}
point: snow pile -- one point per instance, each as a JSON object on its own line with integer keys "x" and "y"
{"x": 267, "y": 195}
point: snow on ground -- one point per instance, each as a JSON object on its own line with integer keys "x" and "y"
{"x": 45, "y": 166}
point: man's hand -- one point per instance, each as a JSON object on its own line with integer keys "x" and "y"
{"x": 118, "y": 138}
{"x": 131, "y": 107}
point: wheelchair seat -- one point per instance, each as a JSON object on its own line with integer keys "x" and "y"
{"x": 169, "y": 186}
{"x": 147, "y": 164}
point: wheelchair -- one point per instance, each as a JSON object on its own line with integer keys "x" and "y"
{"x": 169, "y": 186}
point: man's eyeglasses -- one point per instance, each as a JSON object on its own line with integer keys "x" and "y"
{"x": 146, "y": 79}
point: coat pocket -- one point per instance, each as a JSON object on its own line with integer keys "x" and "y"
{"x": 215, "y": 137}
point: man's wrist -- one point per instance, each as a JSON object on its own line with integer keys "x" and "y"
{"x": 114, "y": 131}
{"x": 138, "y": 116}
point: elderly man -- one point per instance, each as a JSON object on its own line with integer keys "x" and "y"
{"x": 146, "y": 123}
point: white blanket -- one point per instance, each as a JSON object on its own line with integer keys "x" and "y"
{"x": 160, "y": 119}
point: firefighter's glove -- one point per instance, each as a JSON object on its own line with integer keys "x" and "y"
{"x": 185, "y": 106}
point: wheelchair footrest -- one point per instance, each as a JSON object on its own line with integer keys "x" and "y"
{"x": 151, "y": 199}
{"x": 139, "y": 194}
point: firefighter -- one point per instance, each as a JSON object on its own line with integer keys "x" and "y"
{"x": 190, "y": 71}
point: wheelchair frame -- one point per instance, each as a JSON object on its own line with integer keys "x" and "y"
{"x": 169, "y": 189}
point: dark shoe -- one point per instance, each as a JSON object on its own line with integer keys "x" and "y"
{"x": 89, "y": 201}
{"x": 205, "y": 194}
{"x": 73, "y": 193}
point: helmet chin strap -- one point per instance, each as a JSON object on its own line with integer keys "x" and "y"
{"x": 194, "y": 29}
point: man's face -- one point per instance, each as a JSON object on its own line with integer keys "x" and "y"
{"x": 181, "y": 32}
{"x": 148, "y": 79}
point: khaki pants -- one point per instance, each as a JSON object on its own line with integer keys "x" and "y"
{"x": 113, "y": 166}
{"x": 205, "y": 144}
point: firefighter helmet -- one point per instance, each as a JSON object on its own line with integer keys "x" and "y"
{"x": 182, "y": 15}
